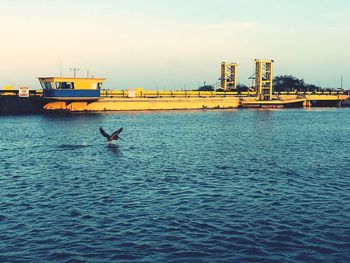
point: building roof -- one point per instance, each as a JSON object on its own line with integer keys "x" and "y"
{"x": 70, "y": 79}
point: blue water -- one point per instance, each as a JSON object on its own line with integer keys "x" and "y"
{"x": 183, "y": 186}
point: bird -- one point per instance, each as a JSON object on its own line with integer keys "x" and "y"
{"x": 113, "y": 136}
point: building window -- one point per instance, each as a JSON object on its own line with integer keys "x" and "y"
{"x": 65, "y": 85}
{"x": 47, "y": 85}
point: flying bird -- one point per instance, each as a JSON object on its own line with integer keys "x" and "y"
{"x": 113, "y": 136}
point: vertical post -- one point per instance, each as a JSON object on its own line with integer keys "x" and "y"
{"x": 61, "y": 68}
{"x": 75, "y": 71}
{"x": 341, "y": 82}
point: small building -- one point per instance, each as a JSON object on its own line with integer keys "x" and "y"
{"x": 60, "y": 87}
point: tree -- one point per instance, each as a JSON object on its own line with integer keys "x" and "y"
{"x": 242, "y": 87}
{"x": 289, "y": 83}
{"x": 206, "y": 88}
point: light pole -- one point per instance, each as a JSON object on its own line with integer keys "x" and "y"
{"x": 75, "y": 71}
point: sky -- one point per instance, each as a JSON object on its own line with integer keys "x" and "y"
{"x": 168, "y": 44}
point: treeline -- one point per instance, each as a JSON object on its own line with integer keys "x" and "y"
{"x": 282, "y": 83}
{"x": 290, "y": 83}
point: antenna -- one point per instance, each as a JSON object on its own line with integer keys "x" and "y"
{"x": 341, "y": 82}
{"x": 60, "y": 67}
{"x": 75, "y": 71}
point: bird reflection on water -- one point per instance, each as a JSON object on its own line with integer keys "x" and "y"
{"x": 113, "y": 148}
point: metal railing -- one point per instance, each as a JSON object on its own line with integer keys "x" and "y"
{"x": 175, "y": 94}
{"x": 32, "y": 93}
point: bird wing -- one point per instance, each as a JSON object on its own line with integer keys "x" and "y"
{"x": 105, "y": 134}
{"x": 116, "y": 133}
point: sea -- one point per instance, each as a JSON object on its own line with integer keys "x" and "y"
{"x": 251, "y": 185}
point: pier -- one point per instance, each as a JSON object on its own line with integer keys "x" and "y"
{"x": 87, "y": 94}
{"x": 120, "y": 100}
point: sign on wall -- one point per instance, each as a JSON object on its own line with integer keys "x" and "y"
{"x": 131, "y": 93}
{"x": 23, "y": 92}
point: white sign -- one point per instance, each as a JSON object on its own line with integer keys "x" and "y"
{"x": 23, "y": 92}
{"x": 131, "y": 93}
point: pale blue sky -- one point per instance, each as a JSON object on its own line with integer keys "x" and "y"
{"x": 163, "y": 44}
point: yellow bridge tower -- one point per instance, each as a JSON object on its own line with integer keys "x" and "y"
{"x": 263, "y": 79}
{"x": 228, "y": 76}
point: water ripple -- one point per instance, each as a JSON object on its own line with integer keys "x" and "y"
{"x": 206, "y": 186}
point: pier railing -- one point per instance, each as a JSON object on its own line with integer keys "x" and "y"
{"x": 173, "y": 94}
{"x": 186, "y": 93}
{"x": 32, "y": 93}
